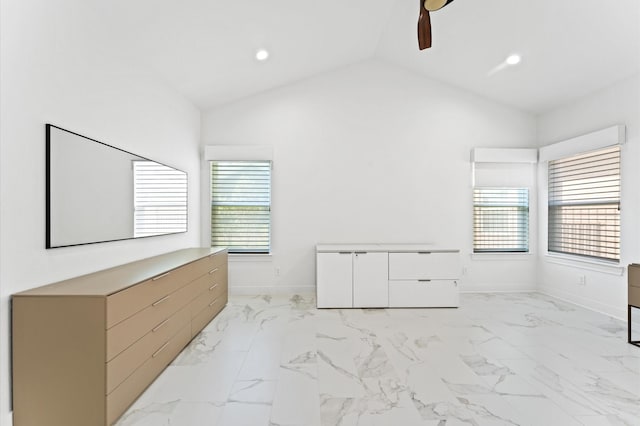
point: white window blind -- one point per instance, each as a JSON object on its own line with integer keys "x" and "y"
{"x": 241, "y": 206}
{"x": 159, "y": 199}
{"x": 584, "y": 204}
{"x": 500, "y": 220}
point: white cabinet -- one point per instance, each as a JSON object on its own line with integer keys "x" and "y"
{"x": 387, "y": 275}
{"x": 352, "y": 280}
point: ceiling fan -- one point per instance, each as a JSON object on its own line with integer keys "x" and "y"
{"x": 424, "y": 21}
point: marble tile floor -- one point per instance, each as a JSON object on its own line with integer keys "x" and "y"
{"x": 500, "y": 359}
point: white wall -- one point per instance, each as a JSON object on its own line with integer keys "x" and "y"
{"x": 369, "y": 153}
{"x": 604, "y": 290}
{"x": 55, "y": 68}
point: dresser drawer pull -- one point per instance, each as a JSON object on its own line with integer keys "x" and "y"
{"x": 161, "y": 300}
{"x": 212, "y": 287}
{"x": 424, "y": 252}
{"x": 213, "y": 271}
{"x": 214, "y": 302}
{"x": 424, "y": 281}
{"x": 160, "y": 276}
{"x": 156, "y": 353}
{"x": 159, "y": 326}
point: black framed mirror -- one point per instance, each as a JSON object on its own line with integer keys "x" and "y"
{"x": 97, "y": 193}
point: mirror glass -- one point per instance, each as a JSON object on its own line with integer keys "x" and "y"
{"x": 98, "y": 193}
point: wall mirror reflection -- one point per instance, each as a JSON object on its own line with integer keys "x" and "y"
{"x": 99, "y": 193}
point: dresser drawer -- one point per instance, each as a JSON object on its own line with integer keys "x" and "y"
{"x": 205, "y": 315}
{"x": 217, "y": 259}
{"x": 125, "y": 394}
{"x": 203, "y": 299}
{"x": 634, "y": 275}
{"x": 127, "y": 332}
{"x": 634, "y": 284}
{"x": 634, "y": 296}
{"x": 123, "y": 365}
{"x": 123, "y": 304}
{"x": 416, "y": 294}
{"x": 215, "y": 278}
{"x": 424, "y": 265}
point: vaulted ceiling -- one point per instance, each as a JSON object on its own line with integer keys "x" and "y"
{"x": 206, "y": 49}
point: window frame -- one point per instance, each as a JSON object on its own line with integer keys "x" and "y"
{"x": 522, "y": 249}
{"x": 242, "y": 253}
{"x": 574, "y": 255}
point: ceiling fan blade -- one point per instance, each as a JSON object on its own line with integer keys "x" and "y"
{"x": 432, "y": 5}
{"x": 424, "y": 28}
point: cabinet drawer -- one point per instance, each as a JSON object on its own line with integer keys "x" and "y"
{"x": 130, "y": 330}
{"x": 418, "y": 294}
{"x": 123, "y": 365}
{"x": 424, "y": 265}
{"x": 125, "y": 394}
{"x": 203, "y": 299}
{"x": 216, "y": 277}
{"x": 634, "y": 275}
{"x": 217, "y": 259}
{"x": 634, "y": 296}
{"x": 123, "y": 304}
{"x": 204, "y": 316}
{"x": 634, "y": 285}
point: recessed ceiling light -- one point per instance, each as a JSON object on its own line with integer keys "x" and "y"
{"x": 513, "y": 59}
{"x": 262, "y": 55}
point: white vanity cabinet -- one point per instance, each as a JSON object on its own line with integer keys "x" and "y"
{"x": 352, "y": 279}
{"x": 386, "y": 275}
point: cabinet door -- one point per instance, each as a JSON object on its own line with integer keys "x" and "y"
{"x": 334, "y": 277}
{"x": 371, "y": 280}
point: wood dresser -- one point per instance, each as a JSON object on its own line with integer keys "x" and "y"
{"x": 85, "y": 348}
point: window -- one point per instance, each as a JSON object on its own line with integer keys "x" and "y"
{"x": 584, "y": 204}
{"x": 241, "y": 206}
{"x": 500, "y": 220}
{"x": 159, "y": 199}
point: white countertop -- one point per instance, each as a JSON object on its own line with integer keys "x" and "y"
{"x": 393, "y": 248}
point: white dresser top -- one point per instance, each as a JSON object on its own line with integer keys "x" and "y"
{"x": 392, "y": 248}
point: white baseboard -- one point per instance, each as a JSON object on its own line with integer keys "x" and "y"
{"x": 255, "y": 290}
{"x": 497, "y": 291}
{"x": 270, "y": 290}
{"x": 593, "y": 305}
